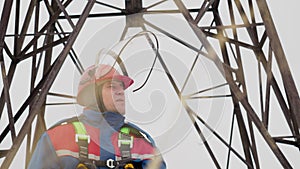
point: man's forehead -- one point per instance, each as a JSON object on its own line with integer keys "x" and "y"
{"x": 113, "y": 81}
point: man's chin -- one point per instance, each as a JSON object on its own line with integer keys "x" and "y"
{"x": 121, "y": 111}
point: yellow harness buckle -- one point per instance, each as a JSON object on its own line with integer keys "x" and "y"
{"x": 129, "y": 166}
{"x": 81, "y": 166}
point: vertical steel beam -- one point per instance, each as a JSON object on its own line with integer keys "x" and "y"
{"x": 133, "y": 6}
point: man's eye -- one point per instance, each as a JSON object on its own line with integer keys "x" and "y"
{"x": 115, "y": 86}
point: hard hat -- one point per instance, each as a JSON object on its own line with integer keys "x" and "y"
{"x": 97, "y": 74}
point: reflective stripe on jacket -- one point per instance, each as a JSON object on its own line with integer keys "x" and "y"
{"x": 67, "y": 146}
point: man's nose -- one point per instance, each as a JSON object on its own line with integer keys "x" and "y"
{"x": 120, "y": 91}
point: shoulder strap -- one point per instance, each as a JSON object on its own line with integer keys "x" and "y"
{"x": 125, "y": 142}
{"x": 82, "y": 139}
{"x": 138, "y": 132}
{"x": 81, "y": 136}
{"x": 130, "y": 130}
{"x": 81, "y": 133}
{"x": 126, "y": 138}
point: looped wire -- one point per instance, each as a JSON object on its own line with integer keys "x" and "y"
{"x": 117, "y": 57}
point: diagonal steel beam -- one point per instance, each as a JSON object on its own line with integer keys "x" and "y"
{"x": 3, "y": 28}
{"x": 21, "y": 39}
{"x": 288, "y": 81}
{"x": 4, "y": 21}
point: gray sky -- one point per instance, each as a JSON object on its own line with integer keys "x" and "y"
{"x": 169, "y": 124}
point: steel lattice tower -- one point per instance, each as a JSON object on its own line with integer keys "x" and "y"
{"x": 42, "y": 34}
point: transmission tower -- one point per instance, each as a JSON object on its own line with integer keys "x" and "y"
{"x": 41, "y": 35}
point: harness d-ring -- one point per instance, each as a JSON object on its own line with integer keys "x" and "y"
{"x": 110, "y": 163}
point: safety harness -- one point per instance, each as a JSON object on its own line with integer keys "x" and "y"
{"x": 125, "y": 143}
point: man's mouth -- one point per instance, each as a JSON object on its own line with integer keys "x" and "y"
{"x": 119, "y": 100}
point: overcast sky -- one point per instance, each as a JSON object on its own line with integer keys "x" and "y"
{"x": 172, "y": 130}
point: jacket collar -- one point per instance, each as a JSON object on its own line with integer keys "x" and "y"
{"x": 98, "y": 119}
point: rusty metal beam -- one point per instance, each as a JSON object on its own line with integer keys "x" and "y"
{"x": 21, "y": 38}
{"x": 7, "y": 99}
{"x": 11, "y": 72}
{"x": 288, "y": 81}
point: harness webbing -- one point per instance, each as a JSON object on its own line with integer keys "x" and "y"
{"x": 82, "y": 138}
{"x": 125, "y": 143}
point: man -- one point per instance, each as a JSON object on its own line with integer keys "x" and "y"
{"x": 99, "y": 137}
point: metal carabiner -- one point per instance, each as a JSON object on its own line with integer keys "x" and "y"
{"x": 110, "y": 163}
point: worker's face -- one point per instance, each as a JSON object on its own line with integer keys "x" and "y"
{"x": 113, "y": 96}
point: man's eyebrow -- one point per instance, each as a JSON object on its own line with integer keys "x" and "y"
{"x": 118, "y": 82}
